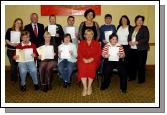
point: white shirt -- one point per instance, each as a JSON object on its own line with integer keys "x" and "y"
{"x": 123, "y": 35}
{"x": 134, "y": 39}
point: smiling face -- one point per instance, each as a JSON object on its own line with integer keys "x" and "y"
{"x": 47, "y": 38}
{"x": 25, "y": 38}
{"x": 67, "y": 39}
{"x": 18, "y": 24}
{"x": 139, "y": 22}
{"x": 124, "y": 21}
{"x": 89, "y": 16}
{"x": 34, "y": 18}
{"x": 89, "y": 35}
{"x": 52, "y": 20}
{"x": 113, "y": 40}
{"x": 108, "y": 20}
{"x": 71, "y": 21}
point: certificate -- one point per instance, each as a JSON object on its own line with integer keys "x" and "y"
{"x": 71, "y": 31}
{"x": 15, "y": 37}
{"x": 65, "y": 54}
{"x": 107, "y": 34}
{"x": 46, "y": 52}
{"x": 52, "y": 29}
{"x": 113, "y": 53}
{"x": 25, "y": 55}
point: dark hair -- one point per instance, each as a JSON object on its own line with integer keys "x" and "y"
{"x": 139, "y": 16}
{"x": 66, "y": 35}
{"x": 113, "y": 35}
{"x": 108, "y": 15}
{"x": 23, "y": 33}
{"x": 70, "y": 17}
{"x": 52, "y": 16}
{"x": 88, "y": 11}
{"x": 126, "y": 17}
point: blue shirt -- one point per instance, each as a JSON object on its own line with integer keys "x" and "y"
{"x": 104, "y": 28}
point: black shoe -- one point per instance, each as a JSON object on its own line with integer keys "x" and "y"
{"x": 45, "y": 89}
{"x": 69, "y": 83}
{"x": 123, "y": 91}
{"x": 103, "y": 88}
{"x": 65, "y": 85}
{"x": 36, "y": 87}
{"x": 23, "y": 88}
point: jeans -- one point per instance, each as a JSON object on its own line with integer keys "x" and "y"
{"x": 30, "y": 67}
{"x": 66, "y": 68}
{"x": 13, "y": 64}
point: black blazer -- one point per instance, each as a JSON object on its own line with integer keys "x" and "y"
{"x": 39, "y": 39}
{"x": 142, "y": 37}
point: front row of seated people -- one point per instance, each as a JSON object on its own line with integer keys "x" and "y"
{"x": 86, "y": 58}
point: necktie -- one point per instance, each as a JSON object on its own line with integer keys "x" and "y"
{"x": 35, "y": 30}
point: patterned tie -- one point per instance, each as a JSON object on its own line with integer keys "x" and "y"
{"x": 35, "y": 30}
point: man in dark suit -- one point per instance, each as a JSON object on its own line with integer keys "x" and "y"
{"x": 36, "y": 30}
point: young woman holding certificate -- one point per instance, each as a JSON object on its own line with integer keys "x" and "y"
{"x": 12, "y": 39}
{"x": 67, "y": 57}
{"x": 113, "y": 53}
{"x": 48, "y": 55}
{"x": 89, "y": 53}
{"x": 25, "y": 55}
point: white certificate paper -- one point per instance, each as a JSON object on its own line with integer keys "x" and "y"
{"x": 65, "y": 54}
{"x": 113, "y": 54}
{"x": 46, "y": 52}
{"x": 52, "y": 29}
{"x": 15, "y": 37}
{"x": 71, "y": 31}
{"x": 107, "y": 34}
{"x": 25, "y": 55}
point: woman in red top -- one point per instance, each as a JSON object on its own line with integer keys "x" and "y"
{"x": 88, "y": 61}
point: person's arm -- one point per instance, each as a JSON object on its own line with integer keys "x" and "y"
{"x": 74, "y": 51}
{"x": 121, "y": 52}
{"x": 98, "y": 31}
{"x": 80, "y": 31}
{"x": 98, "y": 53}
{"x": 61, "y": 33}
{"x": 105, "y": 51}
{"x": 7, "y": 39}
{"x": 145, "y": 36}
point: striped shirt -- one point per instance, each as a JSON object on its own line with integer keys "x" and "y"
{"x": 106, "y": 47}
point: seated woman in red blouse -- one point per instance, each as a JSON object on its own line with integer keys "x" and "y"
{"x": 89, "y": 52}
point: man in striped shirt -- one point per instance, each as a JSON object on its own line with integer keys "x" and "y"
{"x": 113, "y": 54}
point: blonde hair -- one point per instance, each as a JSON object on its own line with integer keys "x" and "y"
{"x": 46, "y": 34}
{"x": 89, "y": 31}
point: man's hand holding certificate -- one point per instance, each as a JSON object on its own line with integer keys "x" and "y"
{"x": 113, "y": 53}
{"x": 52, "y": 30}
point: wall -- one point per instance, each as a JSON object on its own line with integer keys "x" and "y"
{"x": 14, "y": 11}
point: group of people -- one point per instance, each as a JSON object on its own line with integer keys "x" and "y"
{"x": 90, "y": 50}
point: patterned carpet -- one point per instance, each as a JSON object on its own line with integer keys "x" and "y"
{"x": 136, "y": 93}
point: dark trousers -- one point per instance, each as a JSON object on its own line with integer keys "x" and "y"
{"x": 108, "y": 70}
{"x": 126, "y": 59}
{"x": 13, "y": 65}
{"x": 45, "y": 70}
{"x": 137, "y": 64}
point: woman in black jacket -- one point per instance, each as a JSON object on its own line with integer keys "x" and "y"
{"x": 138, "y": 40}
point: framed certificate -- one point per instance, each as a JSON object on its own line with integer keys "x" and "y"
{"x": 113, "y": 54}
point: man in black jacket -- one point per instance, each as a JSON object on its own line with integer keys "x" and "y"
{"x": 36, "y": 30}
